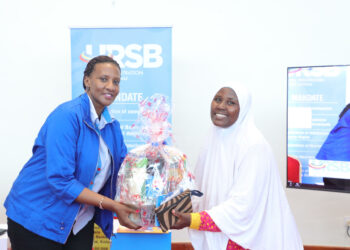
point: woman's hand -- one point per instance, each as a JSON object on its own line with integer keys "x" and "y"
{"x": 183, "y": 220}
{"x": 122, "y": 210}
{"x": 90, "y": 197}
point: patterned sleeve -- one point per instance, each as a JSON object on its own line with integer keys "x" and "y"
{"x": 203, "y": 222}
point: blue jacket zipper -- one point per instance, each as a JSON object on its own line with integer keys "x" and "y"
{"x": 89, "y": 182}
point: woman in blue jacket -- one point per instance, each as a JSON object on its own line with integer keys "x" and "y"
{"x": 69, "y": 182}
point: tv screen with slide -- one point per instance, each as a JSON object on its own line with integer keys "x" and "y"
{"x": 318, "y": 127}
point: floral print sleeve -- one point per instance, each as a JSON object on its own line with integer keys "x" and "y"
{"x": 203, "y": 222}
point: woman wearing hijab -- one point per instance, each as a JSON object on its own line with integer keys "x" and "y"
{"x": 244, "y": 205}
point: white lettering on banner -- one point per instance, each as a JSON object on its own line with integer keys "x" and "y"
{"x": 88, "y": 49}
{"x": 148, "y": 55}
{"x": 152, "y": 60}
{"x": 132, "y": 72}
{"x": 133, "y": 55}
{"x": 107, "y": 49}
{"x": 129, "y": 97}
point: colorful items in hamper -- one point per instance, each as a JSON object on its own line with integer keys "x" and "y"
{"x": 150, "y": 174}
{"x": 154, "y": 171}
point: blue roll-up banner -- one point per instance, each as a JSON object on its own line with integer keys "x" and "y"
{"x": 145, "y": 57}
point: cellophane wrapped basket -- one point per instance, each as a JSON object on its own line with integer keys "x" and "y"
{"x": 154, "y": 172}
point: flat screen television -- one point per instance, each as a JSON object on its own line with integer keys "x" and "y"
{"x": 318, "y": 127}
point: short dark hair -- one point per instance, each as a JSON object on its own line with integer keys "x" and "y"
{"x": 98, "y": 59}
{"x": 347, "y": 107}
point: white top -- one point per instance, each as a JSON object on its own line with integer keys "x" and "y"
{"x": 86, "y": 212}
{"x": 243, "y": 193}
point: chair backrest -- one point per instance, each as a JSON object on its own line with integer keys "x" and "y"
{"x": 293, "y": 170}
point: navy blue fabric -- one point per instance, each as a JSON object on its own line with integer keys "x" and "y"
{"x": 23, "y": 239}
{"x": 65, "y": 155}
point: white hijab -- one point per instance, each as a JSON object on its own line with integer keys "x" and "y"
{"x": 243, "y": 194}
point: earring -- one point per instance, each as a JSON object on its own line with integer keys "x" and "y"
{"x": 87, "y": 89}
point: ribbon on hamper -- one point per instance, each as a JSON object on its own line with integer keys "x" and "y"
{"x": 181, "y": 203}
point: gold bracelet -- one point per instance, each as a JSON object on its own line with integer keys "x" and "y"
{"x": 100, "y": 203}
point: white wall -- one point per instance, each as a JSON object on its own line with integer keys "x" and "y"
{"x": 213, "y": 41}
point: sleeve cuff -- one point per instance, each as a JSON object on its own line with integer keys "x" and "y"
{"x": 195, "y": 221}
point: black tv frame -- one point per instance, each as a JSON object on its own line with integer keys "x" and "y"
{"x": 333, "y": 184}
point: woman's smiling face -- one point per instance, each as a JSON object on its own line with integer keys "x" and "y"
{"x": 224, "y": 108}
{"x": 103, "y": 85}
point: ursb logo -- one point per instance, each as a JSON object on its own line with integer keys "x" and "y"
{"x": 132, "y": 56}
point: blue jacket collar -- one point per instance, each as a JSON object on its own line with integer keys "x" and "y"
{"x": 85, "y": 105}
{"x": 87, "y": 112}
